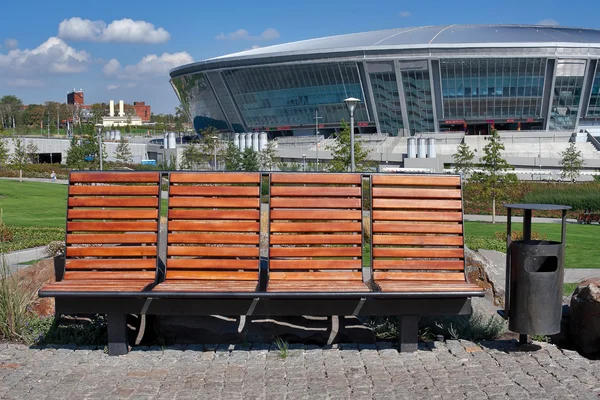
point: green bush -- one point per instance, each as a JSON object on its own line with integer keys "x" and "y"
{"x": 485, "y": 242}
{"x": 581, "y": 196}
{"x": 469, "y": 327}
{"x": 36, "y": 171}
{"x": 25, "y": 237}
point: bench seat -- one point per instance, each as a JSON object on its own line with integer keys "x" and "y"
{"x": 428, "y": 286}
{"x": 317, "y": 286}
{"x": 203, "y": 286}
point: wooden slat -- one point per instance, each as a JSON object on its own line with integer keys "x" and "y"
{"x": 111, "y": 214}
{"x": 114, "y": 177}
{"x": 432, "y": 216}
{"x": 316, "y": 178}
{"x": 203, "y": 202}
{"x": 106, "y": 238}
{"x": 109, "y": 275}
{"x": 315, "y": 276}
{"x": 404, "y": 287}
{"x": 106, "y": 251}
{"x": 316, "y": 239}
{"x": 214, "y": 214}
{"x": 418, "y": 240}
{"x": 416, "y": 180}
{"x": 315, "y": 227}
{"x": 308, "y": 191}
{"x": 201, "y": 226}
{"x": 112, "y": 190}
{"x": 97, "y": 286}
{"x": 418, "y": 253}
{"x": 193, "y": 286}
{"x": 213, "y": 238}
{"x": 203, "y": 263}
{"x": 419, "y": 264}
{"x": 214, "y": 191}
{"x": 212, "y": 177}
{"x": 147, "y": 263}
{"x": 315, "y": 202}
{"x": 312, "y": 287}
{"x": 415, "y": 228}
{"x": 413, "y": 193}
{"x": 418, "y": 204}
{"x": 315, "y": 252}
{"x": 212, "y": 275}
{"x": 426, "y": 276}
{"x": 220, "y": 251}
{"x": 113, "y": 226}
{"x": 113, "y": 202}
{"x": 316, "y": 214}
{"x": 275, "y": 265}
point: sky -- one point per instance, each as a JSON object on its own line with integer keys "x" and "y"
{"x": 123, "y": 50}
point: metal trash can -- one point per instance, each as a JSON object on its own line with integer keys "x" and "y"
{"x": 536, "y": 280}
{"x": 534, "y": 277}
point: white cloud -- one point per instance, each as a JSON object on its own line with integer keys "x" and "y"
{"x": 405, "y": 14}
{"x": 54, "y": 56}
{"x": 112, "y": 87}
{"x": 268, "y": 34}
{"x": 149, "y": 66}
{"x": 548, "y": 21}
{"x": 11, "y": 43}
{"x": 124, "y": 30}
{"x": 20, "y": 82}
{"x": 255, "y": 47}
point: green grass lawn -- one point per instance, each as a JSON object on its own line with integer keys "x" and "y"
{"x": 33, "y": 203}
{"x": 582, "y": 240}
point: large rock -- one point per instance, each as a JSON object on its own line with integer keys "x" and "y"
{"x": 482, "y": 272}
{"x": 33, "y": 277}
{"x": 585, "y": 317}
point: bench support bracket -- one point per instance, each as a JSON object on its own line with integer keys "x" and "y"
{"x": 117, "y": 334}
{"x": 408, "y": 333}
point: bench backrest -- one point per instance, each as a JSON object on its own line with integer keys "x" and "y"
{"x": 213, "y": 226}
{"x": 112, "y": 225}
{"x": 417, "y": 228}
{"x": 315, "y": 226}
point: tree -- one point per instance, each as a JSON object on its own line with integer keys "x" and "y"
{"x": 572, "y": 161}
{"x": 250, "y": 160}
{"x": 340, "y": 152}
{"x": 495, "y": 176}
{"x": 232, "y": 157}
{"x": 463, "y": 160}
{"x": 294, "y": 166}
{"x": 75, "y": 155}
{"x": 10, "y": 111}
{"x": 267, "y": 157}
{"x": 32, "y": 153}
{"x": 123, "y": 152}
{"x": 190, "y": 157}
{"x": 85, "y": 153}
{"x": 19, "y": 156}
{"x": 3, "y": 152}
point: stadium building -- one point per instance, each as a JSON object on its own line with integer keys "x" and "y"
{"x": 431, "y": 79}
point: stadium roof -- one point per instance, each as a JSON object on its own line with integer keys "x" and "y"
{"x": 446, "y": 36}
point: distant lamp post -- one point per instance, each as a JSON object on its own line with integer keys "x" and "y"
{"x": 303, "y": 162}
{"x": 351, "y": 103}
{"x": 317, "y": 136}
{"x": 100, "y": 145}
{"x": 214, "y": 138}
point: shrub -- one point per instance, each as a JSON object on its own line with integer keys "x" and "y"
{"x": 25, "y": 237}
{"x": 518, "y": 235}
{"x": 581, "y": 196}
{"x": 473, "y": 327}
{"x": 485, "y": 242}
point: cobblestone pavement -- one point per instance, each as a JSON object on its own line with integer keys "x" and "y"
{"x": 451, "y": 370}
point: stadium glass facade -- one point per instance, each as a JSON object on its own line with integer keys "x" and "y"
{"x": 460, "y": 86}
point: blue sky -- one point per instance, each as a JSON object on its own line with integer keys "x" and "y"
{"x": 124, "y": 49}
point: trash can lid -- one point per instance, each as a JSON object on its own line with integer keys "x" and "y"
{"x": 547, "y": 207}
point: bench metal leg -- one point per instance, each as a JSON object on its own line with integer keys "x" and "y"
{"x": 117, "y": 334}
{"x": 408, "y": 333}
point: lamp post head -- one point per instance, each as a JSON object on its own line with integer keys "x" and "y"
{"x": 351, "y": 103}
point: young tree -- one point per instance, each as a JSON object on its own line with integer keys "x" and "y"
{"x": 250, "y": 160}
{"x": 463, "y": 160}
{"x": 572, "y": 161}
{"x": 123, "y": 152}
{"x": 19, "y": 156}
{"x": 75, "y": 155}
{"x": 32, "y": 153}
{"x": 232, "y": 157}
{"x": 3, "y": 152}
{"x": 191, "y": 157}
{"x": 267, "y": 157}
{"x": 340, "y": 152}
{"x": 293, "y": 166}
{"x": 495, "y": 176}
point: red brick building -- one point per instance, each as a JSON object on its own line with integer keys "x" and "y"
{"x": 75, "y": 97}
{"x": 142, "y": 110}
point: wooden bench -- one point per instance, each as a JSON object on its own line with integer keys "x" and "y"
{"x": 315, "y": 249}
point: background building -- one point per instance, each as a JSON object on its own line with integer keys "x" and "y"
{"x": 75, "y": 97}
{"x": 432, "y": 79}
{"x": 142, "y": 110}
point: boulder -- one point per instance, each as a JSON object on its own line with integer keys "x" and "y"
{"x": 585, "y": 317}
{"x": 33, "y": 277}
{"x": 478, "y": 271}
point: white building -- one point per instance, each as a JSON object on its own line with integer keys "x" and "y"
{"x": 121, "y": 120}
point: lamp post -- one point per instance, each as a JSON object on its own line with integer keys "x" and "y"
{"x": 351, "y": 103}
{"x": 317, "y": 136}
{"x": 303, "y": 162}
{"x": 214, "y": 138}
{"x": 100, "y": 145}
